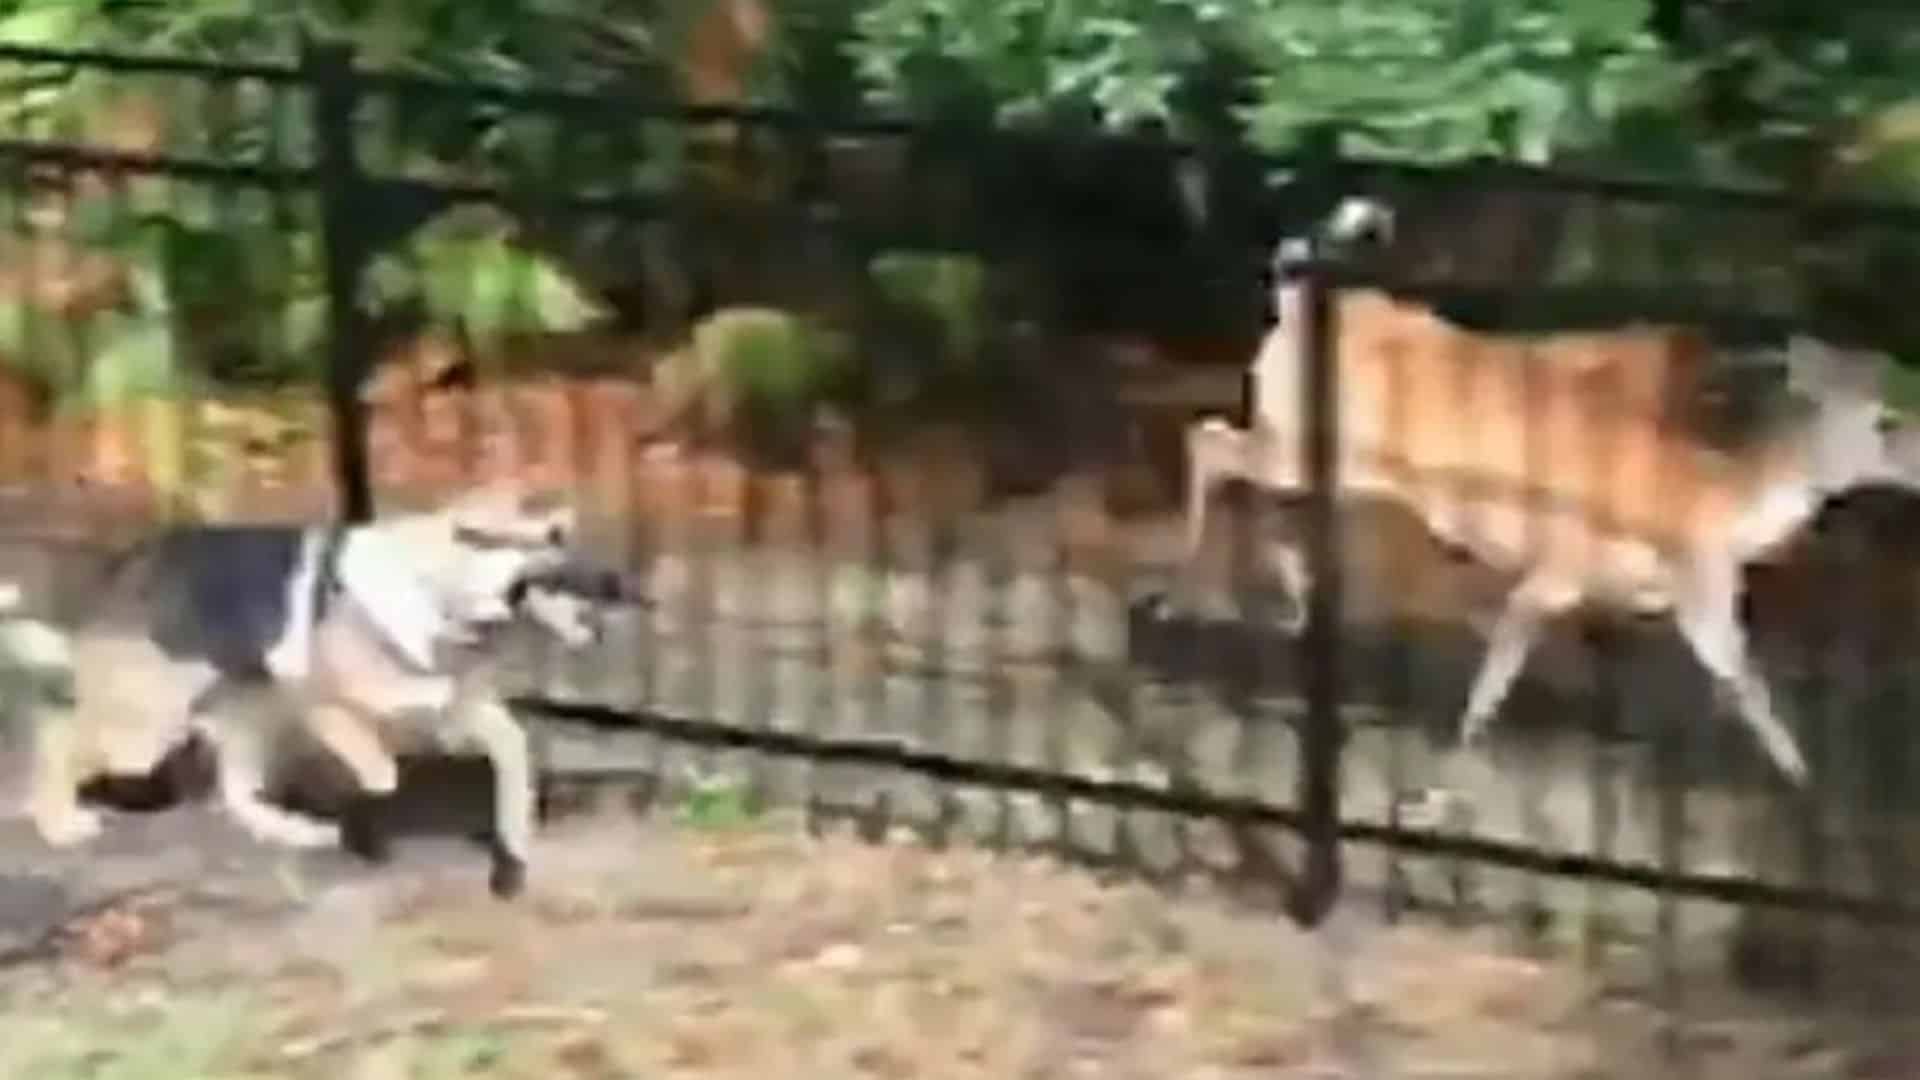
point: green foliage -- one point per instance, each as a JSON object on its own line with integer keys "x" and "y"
{"x": 195, "y": 1033}
{"x": 1030, "y": 60}
{"x": 808, "y": 64}
{"x": 716, "y": 803}
{"x": 511, "y": 41}
{"x": 1901, "y": 385}
{"x": 136, "y": 358}
{"x": 186, "y": 278}
{"x": 1786, "y": 86}
{"x": 770, "y": 358}
{"x": 190, "y": 252}
{"x": 465, "y": 270}
{"x": 102, "y": 357}
{"x": 1439, "y": 79}
{"x": 1421, "y": 78}
{"x": 1765, "y": 86}
{"x": 111, "y": 359}
{"x": 950, "y": 289}
{"x": 1764, "y": 90}
{"x": 36, "y": 344}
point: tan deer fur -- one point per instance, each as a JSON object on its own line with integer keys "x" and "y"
{"x": 1559, "y": 459}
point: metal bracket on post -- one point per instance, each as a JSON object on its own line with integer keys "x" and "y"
{"x": 329, "y": 70}
{"x": 1319, "y": 796}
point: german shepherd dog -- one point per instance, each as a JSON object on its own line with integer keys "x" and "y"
{"x": 361, "y": 636}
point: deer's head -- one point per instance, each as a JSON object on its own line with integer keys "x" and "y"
{"x": 1857, "y": 438}
{"x": 1357, "y": 223}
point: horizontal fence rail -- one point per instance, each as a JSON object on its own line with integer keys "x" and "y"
{"x": 895, "y": 754}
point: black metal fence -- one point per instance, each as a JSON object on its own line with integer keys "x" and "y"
{"x": 955, "y": 638}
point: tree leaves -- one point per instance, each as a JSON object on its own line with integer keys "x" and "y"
{"x": 949, "y": 288}
{"x": 133, "y": 358}
{"x": 770, "y": 356}
{"x": 1419, "y": 78}
{"x": 463, "y": 270}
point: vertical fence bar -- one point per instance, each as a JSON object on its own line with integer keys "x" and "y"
{"x": 1319, "y": 796}
{"x": 329, "y": 70}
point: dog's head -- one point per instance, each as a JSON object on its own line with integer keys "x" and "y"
{"x": 567, "y": 615}
{"x": 499, "y": 539}
{"x": 570, "y": 600}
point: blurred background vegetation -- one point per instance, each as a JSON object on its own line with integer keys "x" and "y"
{"x": 125, "y": 288}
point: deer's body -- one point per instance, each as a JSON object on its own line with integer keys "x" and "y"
{"x": 1559, "y": 460}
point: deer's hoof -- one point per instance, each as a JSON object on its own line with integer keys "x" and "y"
{"x": 1437, "y": 809}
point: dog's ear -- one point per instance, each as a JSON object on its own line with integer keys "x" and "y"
{"x": 485, "y": 508}
{"x": 505, "y": 513}
{"x": 583, "y": 578}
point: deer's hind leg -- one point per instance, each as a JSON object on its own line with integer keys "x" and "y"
{"x": 1707, "y": 612}
{"x": 1539, "y": 597}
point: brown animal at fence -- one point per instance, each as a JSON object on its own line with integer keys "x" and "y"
{"x": 1561, "y": 461}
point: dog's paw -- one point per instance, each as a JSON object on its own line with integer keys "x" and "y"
{"x": 362, "y": 834}
{"x": 271, "y": 826}
{"x": 67, "y": 828}
{"x": 509, "y": 876}
{"x": 379, "y": 774}
{"x": 309, "y": 835}
{"x": 1293, "y": 622}
{"x": 1163, "y": 606}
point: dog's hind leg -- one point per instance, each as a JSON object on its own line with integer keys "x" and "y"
{"x": 357, "y": 747}
{"x": 53, "y": 793}
{"x": 243, "y": 746}
{"x": 489, "y": 725}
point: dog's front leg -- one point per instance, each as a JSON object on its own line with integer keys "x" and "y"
{"x": 488, "y": 723}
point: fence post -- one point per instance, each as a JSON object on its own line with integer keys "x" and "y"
{"x": 329, "y": 74}
{"x": 1319, "y": 795}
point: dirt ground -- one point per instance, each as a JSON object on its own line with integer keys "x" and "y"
{"x": 665, "y": 946}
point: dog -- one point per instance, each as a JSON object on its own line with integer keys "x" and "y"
{"x": 355, "y": 636}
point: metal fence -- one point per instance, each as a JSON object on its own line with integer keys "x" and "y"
{"x": 953, "y": 636}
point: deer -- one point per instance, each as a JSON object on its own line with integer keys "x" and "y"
{"x": 1567, "y": 472}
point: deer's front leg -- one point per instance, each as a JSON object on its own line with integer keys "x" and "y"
{"x": 1215, "y": 453}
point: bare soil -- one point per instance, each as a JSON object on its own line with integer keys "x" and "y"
{"x": 645, "y": 948}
